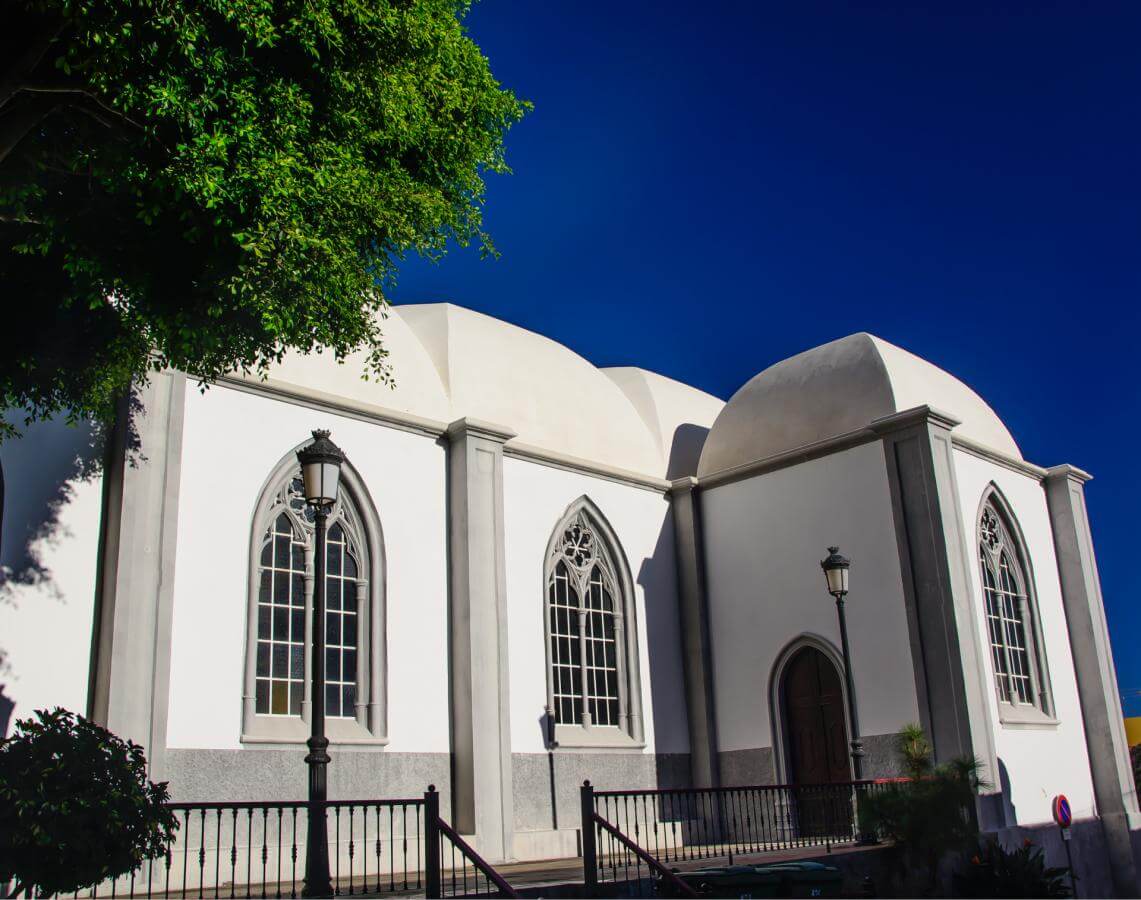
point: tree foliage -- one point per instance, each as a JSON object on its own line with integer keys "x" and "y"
{"x": 76, "y": 807}
{"x": 204, "y": 184}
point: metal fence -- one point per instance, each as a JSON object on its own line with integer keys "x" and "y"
{"x": 681, "y": 825}
{"x": 257, "y": 849}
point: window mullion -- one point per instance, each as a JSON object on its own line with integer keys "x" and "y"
{"x": 583, "y": 587}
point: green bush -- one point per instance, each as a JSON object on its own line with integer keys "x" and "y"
{"x": 928, "y": 817}
{"x": 76, "y": 806}
{"x": 995, "y": 872}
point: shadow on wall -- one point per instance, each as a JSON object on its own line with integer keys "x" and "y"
{"x": 40, "y": 469}
{"x": 1009, "y": 812}
{"x": 7, "y": 705}
{"x": 685, "y": 450}
{"x": 658, "y": 578}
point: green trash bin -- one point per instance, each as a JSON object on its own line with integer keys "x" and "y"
{"x": 809, "y": 879}
{"x": 792, "y": 879}
{"x": 734, "y": 881}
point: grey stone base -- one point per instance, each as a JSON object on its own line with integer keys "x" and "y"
{"x": 881, "y": 756}
{"x": 532, "y": 774}
{"x": 257, "y": 773}
{"x": 747, "y": 767}
{"x": 758, "y": 765}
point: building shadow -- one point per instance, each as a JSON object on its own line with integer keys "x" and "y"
{"x": 659, "y": 579}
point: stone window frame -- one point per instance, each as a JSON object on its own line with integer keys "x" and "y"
{"x": 628, "y": 733}
{"x": 356, "y": 513}
{"x": 1010, "y": 539}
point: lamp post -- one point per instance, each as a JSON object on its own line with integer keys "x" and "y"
{"x": 321, "y": 473}
{"x": 836, "y": 571}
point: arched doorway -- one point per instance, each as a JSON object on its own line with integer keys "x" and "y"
{"x": 815, "y": 729}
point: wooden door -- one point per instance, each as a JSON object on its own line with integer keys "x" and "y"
{"x": 814, "y": 713}
{"x": 817, "y": 742}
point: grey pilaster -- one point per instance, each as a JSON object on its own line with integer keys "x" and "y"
{"x": 481, "y": 729}
{"x": 131, "y": 651}
{"x": 1093, "y": 665}
{"x": 935, "y": 560}
{"x": 696, "y": 657}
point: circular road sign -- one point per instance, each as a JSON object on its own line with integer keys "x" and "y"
{"x": 1062, "y": 814}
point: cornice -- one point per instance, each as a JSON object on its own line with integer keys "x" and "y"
{"x": 479, "y": 428}
{"x": 909, "y": 418}
{"x": 556, "y": 460}
{"x": 1065, "y": 470}
{"x": 329, "y": 402}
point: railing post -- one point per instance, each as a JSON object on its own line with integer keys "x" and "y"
{"x": 589, "y": 842}
{"x": 432, "y": 844}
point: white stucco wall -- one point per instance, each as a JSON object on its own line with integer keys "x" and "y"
{"x": 535, "y": 497}
{"x": 1041, "y": 761}
{"x": 764, "y": 539}
{"x": 232, "y": 441}
{"x": 50, "y": 515}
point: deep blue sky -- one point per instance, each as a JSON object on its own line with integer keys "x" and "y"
{"x": 704, "y": 189}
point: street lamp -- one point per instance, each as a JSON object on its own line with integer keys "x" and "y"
{"x": 836, "y": 571}
{"x": 321, "y": 474}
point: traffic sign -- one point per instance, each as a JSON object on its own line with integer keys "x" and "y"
{"x": 1062, "y": 814}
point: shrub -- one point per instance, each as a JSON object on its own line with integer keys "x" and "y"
{"x": 76, "y": 806}
{"x": 995, "y": 872}
{"x": 928, "y": 817}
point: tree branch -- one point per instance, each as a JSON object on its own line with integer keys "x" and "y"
{"x": 16, "y": 124}
{"x": 20, "y": 68}
{"x": 66, "y": 90}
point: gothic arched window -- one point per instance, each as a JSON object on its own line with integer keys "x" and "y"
{"x": 592, "y": 675}
{"x": 277, "y": 700}
{"x": 1011, "y": 615}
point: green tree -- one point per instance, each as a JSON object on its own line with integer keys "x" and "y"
{"x": 76, "y": 807}
{"x": 204, "y": 184}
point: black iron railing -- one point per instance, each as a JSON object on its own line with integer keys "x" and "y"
{"x": 257, "y": 850}
{"x": 680, "y": 825}
{"x": 454, "y": 868}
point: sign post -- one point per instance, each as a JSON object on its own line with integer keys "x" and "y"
{"x": 1064, "y": 816}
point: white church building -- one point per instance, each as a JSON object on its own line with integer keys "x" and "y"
{"x": 522, "y": 537}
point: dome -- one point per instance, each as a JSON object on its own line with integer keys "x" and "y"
{"x": 451, "y": 363}
{"x": 679, "y": 416}
{"x": 546, "y": 393}
{"x": 837, "y": 388}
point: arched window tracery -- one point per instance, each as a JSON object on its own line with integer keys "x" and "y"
{"x": 1010, "y": 611}
{"x": 591, "y": 632}
{"x": 277, "y": 699}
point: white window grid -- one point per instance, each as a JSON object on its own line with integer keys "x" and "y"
{"x": 585, "y": 632}
{"x": 341, "y": 632}
{"x": 282, "y": 608}
{"x": 280, "y": 672}
{"x": 601, "y": 662}
{"x": 1005, "y": 606}
{"x": 566, "y": 648}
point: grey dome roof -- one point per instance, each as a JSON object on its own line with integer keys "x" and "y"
{"x": 837, "y": 388}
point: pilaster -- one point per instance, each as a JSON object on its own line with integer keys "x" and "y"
{"x": 935, "y": 560}
{"x": 131, "y": 646}
{"x": 1093, "y": 665}
{"x": 696, "y": 652}
{"x": 481, "y": 728}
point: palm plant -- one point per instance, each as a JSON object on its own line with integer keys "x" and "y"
{"x": 931, "y": 815}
